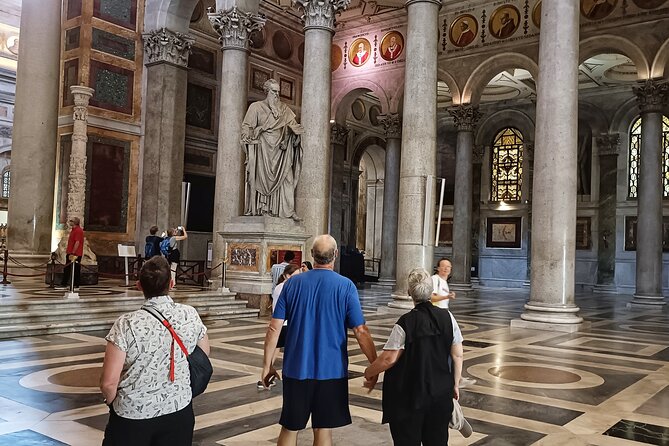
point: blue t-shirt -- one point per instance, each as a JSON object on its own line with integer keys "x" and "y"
{"x": 320, "y": 305}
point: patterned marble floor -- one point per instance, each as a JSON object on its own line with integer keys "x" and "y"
{"x": 606, "y": 386}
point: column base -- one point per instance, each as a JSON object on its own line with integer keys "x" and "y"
{"x": 28, "y": 263}
{"x": 605, "y": 288}
{"x": 462, "y": 289}
{"x": 547, "y": 326}
{"x": 384, "y": 284}
{"x": 401, "y": 302}
{"x": 548, "y": 315}
{"x": 646, "y": 301}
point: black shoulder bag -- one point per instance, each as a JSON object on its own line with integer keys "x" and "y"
{"x": 198, "y": 361}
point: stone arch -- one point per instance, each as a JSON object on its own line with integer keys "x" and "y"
{"x": 453, "y": 86}
{"x": 661, "y": 62}
{"x": 492, "y": 124}
{"x": 171, "y": 14}
{"x": 341, "y": 103}
{"x": 624, "y": 117}
{"x": 362, "y": 144}
{"x": 595, "y": 45}
{"x": 480, "y": 77}
{"x": 594, "y": 117}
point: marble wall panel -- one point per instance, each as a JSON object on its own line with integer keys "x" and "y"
{"x": 112, "y": 44}
{"x": 113, "y": 87}
{"x": 119, "y": 12}
{"x": 503, "y": 270}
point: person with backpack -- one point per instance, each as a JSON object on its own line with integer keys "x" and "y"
{"x": 152, "y": 246}
{"x": 169, "y": 249}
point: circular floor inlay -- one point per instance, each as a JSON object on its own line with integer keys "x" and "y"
{"x": 533, "y": 374}
{"x": 77, "y": 378}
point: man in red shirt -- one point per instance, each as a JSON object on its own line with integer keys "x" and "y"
{"x": 75, "y": 251}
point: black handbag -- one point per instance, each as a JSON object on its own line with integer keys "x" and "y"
{"x": 198, "y": 361}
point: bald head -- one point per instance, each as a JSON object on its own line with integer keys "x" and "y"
{"x": 323, "y": 249}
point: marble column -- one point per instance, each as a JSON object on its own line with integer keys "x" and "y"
{"x": 165, "y": 129}
{"x": 551, "y": 305}
{"x": 76, "y": 182}
{"x": 419, "y": 140}
{"x": 652, "y": 98}
{"x": 312, "y": 197}
{"x": 608, "y": 146}
{"x": 338, "y": 140}
{"x": 234, "y": 28}
{"x": 35, "y": 130}
{"x": 392, "y": 125}
{"x": 466, "y": 117}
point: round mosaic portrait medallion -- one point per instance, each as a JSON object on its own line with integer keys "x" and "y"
{"x": 597, "y": 9}
{"x": 536, "y": 15}
{"x": 336, "y": 58}
{"x": 359, "y": 52}
{"x": 392, "y": 45}
{"x": 281, "y": 45}
{"x": 463, "y": 30}
{"x": 649, "y": 4}
{"x": 504, "y": 21}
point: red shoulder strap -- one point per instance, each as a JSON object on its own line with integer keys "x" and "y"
{"x": 175, "y": 337}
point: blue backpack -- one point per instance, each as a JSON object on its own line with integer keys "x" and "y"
{"x": 165, "y": 247}
{"x": 148, "y": 250}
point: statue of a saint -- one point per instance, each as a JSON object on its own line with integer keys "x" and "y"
{"x": 273, "y": 148}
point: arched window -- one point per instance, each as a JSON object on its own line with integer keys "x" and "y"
{"x": 507, "y": 165}
{"x": 635, "y": 151}
{"x": 5, "y": 183}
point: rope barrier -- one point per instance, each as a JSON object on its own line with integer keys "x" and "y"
{"x": 44, "y": 270}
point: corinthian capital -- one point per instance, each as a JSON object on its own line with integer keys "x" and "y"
{"x": 320, "y": 14}
{"x": 338, "y": 134}
{"x": 234, "y": 27}
{"x": 465, "y": 116}
{"x": 652, "y": 95}
{"x": 82, "y": 95}
{"x": 608, "y": 144}
{"x": 163, "y": 45}
{"x": 392, "y": 125}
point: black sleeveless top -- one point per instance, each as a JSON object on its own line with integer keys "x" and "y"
{"x": 422, "y": 375}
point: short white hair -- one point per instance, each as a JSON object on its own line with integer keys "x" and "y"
{"x": 420, "y": 286}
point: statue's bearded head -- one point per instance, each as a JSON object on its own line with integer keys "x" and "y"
{"x": 272, "y": 89}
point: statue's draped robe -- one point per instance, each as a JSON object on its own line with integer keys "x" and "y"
{"x": 273, "y": 160}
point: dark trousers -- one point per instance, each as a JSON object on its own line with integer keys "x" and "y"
{"x": 429, "y": 426}
{"x": 174, "y": 429}
{"x": 67, "y": 273}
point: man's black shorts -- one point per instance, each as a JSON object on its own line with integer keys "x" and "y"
{"x": 281, "y": 343}
{"x": 325, "y": 400}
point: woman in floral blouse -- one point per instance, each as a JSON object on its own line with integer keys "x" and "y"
{"x": 145, "y": 377}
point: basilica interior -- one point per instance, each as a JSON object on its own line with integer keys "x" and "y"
{"x": 507, "y": 136}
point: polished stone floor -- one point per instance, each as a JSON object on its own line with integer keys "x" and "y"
{"x": 605, "y": 386}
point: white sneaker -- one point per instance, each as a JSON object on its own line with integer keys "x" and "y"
{"x": 466, "y": 382}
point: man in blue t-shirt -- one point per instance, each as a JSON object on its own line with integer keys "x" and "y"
{"x": 319, "y": 305}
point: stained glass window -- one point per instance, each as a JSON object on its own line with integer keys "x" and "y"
{"x": 5, "y": 183}
{"x": 635, "y": 151}
{"x": 507, "y": 165}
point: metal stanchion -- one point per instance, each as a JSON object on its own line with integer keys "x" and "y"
{"x": 71, "y": 294}
{"x": 4, "y": 268}
{"x": 52, "y": 278}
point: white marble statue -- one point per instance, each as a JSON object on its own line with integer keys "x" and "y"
{"x": 272, "y": 144}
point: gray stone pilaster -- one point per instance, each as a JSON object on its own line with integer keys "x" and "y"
{"x": 392, "y": 125}
{"x": 652, "y": 98}
{"x": 466, "y": 117}
{"x": 338, "y": 140}
{"x": 551, "y": 305}
{"x": 35, "y": 130}
{"x": 311, "y": 198}
{"x": 419, "y": 136}
{"x": 234, "y": 28}
{"x": 608, "y": 147}
{"x": 165, "y": 128}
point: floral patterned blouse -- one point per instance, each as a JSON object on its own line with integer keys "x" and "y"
{"x": 145, "y": 390}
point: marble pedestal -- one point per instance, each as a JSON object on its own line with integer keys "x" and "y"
{"x": 249, "y": 242}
